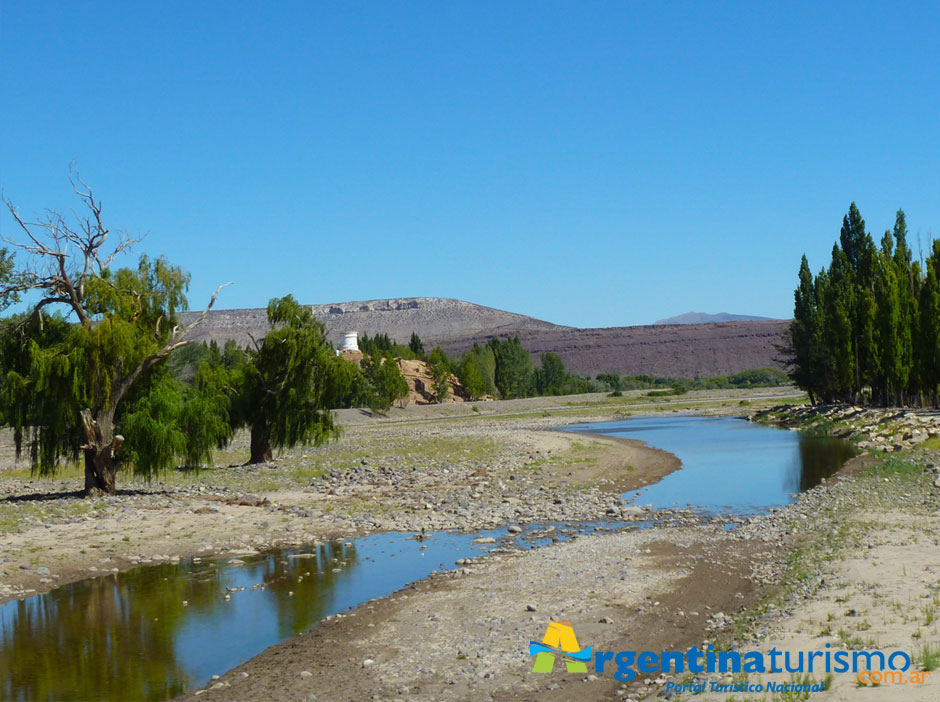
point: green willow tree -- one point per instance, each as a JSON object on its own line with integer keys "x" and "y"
{"x": 385, "y": 383}
{"x": 551, "y": 378}
{"x": 66, "y": 376}
{"x": 439, "y": 368}
{"x": 288, "y": 383}
{"x": 515, "y": 372}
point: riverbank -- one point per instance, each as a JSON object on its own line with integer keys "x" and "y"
{"x": 863, "y": 576}
{"x": 418, "y": 469}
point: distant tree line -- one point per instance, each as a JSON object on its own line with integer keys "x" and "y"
{"x": 502, "y": 368}
{"x": 866, "y": 329}
{"x": 757, "y": 378}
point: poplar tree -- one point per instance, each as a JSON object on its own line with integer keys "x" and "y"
{"x": 905, "y": 279}
{"x": 416, "y": 346}
{"x": 929, "y": 337}
{"x": 890, "y": 372}
{"x": 804, "y": 334}
{"x": 837, "y": 328}
{"x": 877, "y": 313}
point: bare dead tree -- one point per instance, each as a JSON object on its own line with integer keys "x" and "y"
{"x": 61, "y": 259}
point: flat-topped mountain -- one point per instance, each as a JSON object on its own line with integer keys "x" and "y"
{"x": 680, "y": 350}
{"x": 705, "y": 318}
{"x": 436, "y": 320}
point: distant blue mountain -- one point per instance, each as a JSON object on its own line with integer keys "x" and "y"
{"x": 705, "y": 318}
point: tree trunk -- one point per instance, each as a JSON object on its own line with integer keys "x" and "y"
{"x": 101, "y": 462}
{"x": 100, "y": 470}
{"x": 260, "y": 446}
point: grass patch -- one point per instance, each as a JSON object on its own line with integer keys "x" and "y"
{"x": 894, "y": 467}
{"x": 929, "y": 657}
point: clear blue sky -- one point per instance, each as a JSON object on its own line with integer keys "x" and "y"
{"x": 592, "y": 164}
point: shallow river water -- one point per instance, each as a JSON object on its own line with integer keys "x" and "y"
{"x": 729, "y": 464}
{"x": 129, "y": 636}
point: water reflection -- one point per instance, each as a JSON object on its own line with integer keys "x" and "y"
{"x": 820, "y": 457}
{"x": 116, "y": 645}
{"x": 130, "y": 636}
{"x": 729, "y": 464}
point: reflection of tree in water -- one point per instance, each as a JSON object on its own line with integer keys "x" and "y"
{"x": 91, "y": 640}
{"x": 313, "y": 593}
{"x": 114, "y": 637}
{"x": 820, "y": 457}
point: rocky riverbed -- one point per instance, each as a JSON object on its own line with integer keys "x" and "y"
{"x": 425, "y": 474}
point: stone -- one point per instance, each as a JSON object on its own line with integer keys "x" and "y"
{"x": 306, "y": 674}
{"x": 530, "y": 608}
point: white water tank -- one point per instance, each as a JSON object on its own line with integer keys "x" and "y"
{"x": 350, "y": 342}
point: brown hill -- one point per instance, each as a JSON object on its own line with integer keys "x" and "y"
{"x": 436, "y": 320}
{"x": 687, "y": 350}
{"x": 679, "y": 351}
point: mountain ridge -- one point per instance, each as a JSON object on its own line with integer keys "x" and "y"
{"x": 676, "y": 350}
{"x": 706, "y": 318}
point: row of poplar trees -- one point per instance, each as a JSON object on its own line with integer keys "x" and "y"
{"x": 867, "y": 328}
